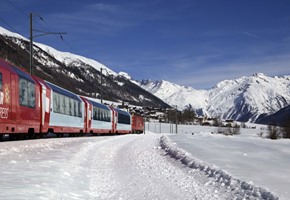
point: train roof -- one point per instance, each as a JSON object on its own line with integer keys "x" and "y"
{"x": 99, "y": 105}
{"x": 63, "y": 91}
{"x": 23, "y": 74}
{"x": 20, "y": 72}
{"x": 4, "y": 64}
{"x": 122, "y": 112}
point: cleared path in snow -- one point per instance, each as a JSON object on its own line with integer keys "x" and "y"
{"x": 119, "y": 167}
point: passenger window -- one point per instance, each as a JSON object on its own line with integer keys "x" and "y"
{"x": 80, "y": 109}
{"x": 23, "y": 94}
{"x": 26, "y": 93}
{"x": 66, "y": 103}
{"x": 56, "y": 107}
{"x": 76, "y": 109}
{"x": 61, "y": 104}
{"x": 31, "y": 95}
{"x": 94, "y": 113}
{"x": 98, "y": 114}
{"x": 71, "y": 105}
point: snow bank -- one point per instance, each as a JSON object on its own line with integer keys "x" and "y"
{"x": 242, "y": 189}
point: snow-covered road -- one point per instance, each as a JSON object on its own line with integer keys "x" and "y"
{"x": 117, "y": 167}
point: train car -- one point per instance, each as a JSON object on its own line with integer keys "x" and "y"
{"x": 137, "y": 123}
{"x": 19, "y": 102}
{"x": 122, "y": 121}
{"x": 99, "y": 117}
{"x": 67, "y": 112}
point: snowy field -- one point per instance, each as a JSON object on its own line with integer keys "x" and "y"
{"x": 151, "y": 166}
{"x": 246, "y": 157}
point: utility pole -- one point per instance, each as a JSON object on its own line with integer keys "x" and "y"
{"x": 34, "y": 36}
{"x": 31, "y": 43}
{"x": 101, "y": 92}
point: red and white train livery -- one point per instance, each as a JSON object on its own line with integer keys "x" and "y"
{"x": 31, "y": 107}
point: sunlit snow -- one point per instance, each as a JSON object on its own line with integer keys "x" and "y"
{"x": 196, "y": 163}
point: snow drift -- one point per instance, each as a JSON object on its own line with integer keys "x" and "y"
{"x": 242, "y": 189}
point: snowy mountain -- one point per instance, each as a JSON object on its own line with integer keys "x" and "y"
{"x": 243, "y": 99}
{"x": 77, "y": 73}
{"x": 176, "y": 95}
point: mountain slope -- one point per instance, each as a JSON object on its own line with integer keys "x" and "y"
{"x": 176, "y": 95}
{"x": 280, "y": 118}
{"x": 73, "y": 72}
{"x": 243, "y": 99}
{"x": 248, "y": 97}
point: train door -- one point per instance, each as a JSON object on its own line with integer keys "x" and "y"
{"x": 44, "y": 107}
{"x": 88, "y": 116}
{"x": 44, "y": 102}
{"x": 5, "y": 121}
{"x": 8, "y": 101}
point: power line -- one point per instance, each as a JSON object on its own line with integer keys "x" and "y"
{"x": 26, "y": 15}
{"x": 37, "y": 22}
{"x": 61, "y": 37}
{"x": 7, "y": 24}
{"x": 71, "y": 48}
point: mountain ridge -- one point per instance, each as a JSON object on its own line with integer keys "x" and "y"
{"x": 243, "y": 99}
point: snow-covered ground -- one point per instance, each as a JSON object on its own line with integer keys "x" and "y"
{"x": 147, "y": 166}
{"x": 241, "y": 159}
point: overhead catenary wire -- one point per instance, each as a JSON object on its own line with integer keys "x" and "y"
{"x": 40, "y": 24}
{"x": 7, "y": 24}
{"x": 27, "y": 15}
{"x": 20, "y": 10}
{"x": 61, "y": 37}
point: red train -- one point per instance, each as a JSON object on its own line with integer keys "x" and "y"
{"x": 31, "y": 107}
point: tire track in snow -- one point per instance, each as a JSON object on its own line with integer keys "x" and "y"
{"x": 139, "y": 170}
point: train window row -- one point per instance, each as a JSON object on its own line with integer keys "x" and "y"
{"x": 66, "y": 105}
{"x": 124, "y": 119}
{"x": 26, "y": 93}
{"x": 101, "y": 114}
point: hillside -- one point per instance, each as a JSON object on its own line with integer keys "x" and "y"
{"x": 281, "y": 118}
{"x": 73, "y": 72}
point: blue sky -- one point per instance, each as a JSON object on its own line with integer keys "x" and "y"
{"x": 189, "y": 42}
